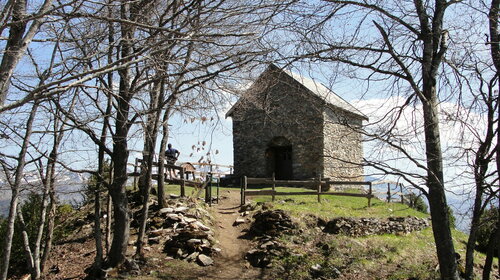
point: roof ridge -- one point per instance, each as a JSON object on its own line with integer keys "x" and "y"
{"x": 319, "y": 90}
{"x": 306, "y": 82}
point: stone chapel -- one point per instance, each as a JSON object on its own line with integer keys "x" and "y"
{"x": 296, "y": 128}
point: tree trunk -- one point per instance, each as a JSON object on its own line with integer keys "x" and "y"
{"x": 7, "y": 242}
{"x": 38, "y": 241}
{"x": 481, "y": 165}
{"x": 49, "y": 195}
{"x": 161, "y": 159}
{"x": 434, "y": 47}
{"x": 13, "y": 47}
{"x": 97, "y": 230}
{"x": 26, "y": 243}
{"x": 100, "y": 182}
{"x": 495, "y": 54}
{"x": 437, "y": 198}
{"x": 471, "y": 241}
{"x": 48, "y": 203}
{"x": 97, "y": 204}
{"x": 18, "y": 41}
{"x": 492, "y": 248}
{"x": 13, "y": 210}
{"x": 109, "y": 107}
{"x": 121, "y": 230}
{"x": 109, "y": 211}
{"x": 50, "y": 231}
{"x": 151, "y": 132}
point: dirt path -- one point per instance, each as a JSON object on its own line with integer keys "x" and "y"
{"x": 230, "y": 264}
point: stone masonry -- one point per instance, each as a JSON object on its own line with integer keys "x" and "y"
{"x": 343, "y": 149}
{"x": 288, "y": 125}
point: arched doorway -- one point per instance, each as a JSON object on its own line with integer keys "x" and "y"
{"x": 279, "y": 159}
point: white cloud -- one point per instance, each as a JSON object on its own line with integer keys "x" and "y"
{"x": 459, "y": 129}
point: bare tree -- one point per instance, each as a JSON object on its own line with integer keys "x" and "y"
{"x": 495, "y": 55}
{"x": 150, "y": 135}
{"x": 49, "y": 201}
{"x": 194, "y": 69}
{"x": 484, "y": 174}
{"x": 48, "y": 180}
{"x": 482, "y": 153}
{"x": 14, "y": 181}
{"x": 403, "y": 43}
{"x": 199, "y": 44}
{"x": 15, "y": 18}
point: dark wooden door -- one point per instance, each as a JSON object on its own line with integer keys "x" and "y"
{"x": 283, "y": 162}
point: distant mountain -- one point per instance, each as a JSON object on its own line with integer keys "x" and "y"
{"x": 69, "y": 188}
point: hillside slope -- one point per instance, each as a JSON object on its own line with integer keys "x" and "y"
{"x": 304, "y": 252}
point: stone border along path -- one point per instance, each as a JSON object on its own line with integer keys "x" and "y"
{"x": 231, "y": 263}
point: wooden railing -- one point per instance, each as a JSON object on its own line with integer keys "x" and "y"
{"x": 183, "y": 181}
{"x": 392, "y": 193}
{"x": 306, "y": 183}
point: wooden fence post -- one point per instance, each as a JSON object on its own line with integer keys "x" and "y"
{"x": 401, "y": 191}
{"x": 370, "y": 194}
{"x": 319, "y": 188}
{"x": 135, "y": 173}
{"x": 274, "y": 186}
{"x": 161, "y": 187}
{"x": 389, "y": 192}
{"x": 218, "y": 185}
{"x": 183, "y": 182}
{"x": 210, "y": 189}
{"x": 241, "y": 192}
{"x": 206, "y": 188}
{"x": 245, "y": 182}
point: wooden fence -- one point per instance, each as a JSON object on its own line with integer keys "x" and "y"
{"x": 307, "y": 183}
{"x": 395, "y": 191}
{"x": 392, "y": 193}
{"x": 212, "y": 167}
{"x": 182, "y": 181}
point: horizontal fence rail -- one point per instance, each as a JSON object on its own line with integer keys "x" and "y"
{"x": 318, "y": 183}
{"x": 394, "y": 191}
{"x": 199, "y": 177}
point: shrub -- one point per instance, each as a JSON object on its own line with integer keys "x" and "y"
{"x": 31, "y": 209}
{"x": 452, "y": 217}
{"x": 416, "y": 202}
{"x": 90, "y": 188}
{"x": 487, "y": 224}
{"x": 31, "y": 214}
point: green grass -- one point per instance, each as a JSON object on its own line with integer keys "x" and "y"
{"x": 334, "y": 206}
{"x": 373, "y": 257}
{"x": 388, "y": 256}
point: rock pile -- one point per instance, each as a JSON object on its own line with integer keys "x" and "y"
{"x": 179, "y": 228}
{"x": 191, "y": 245}
{"x": 267, "y": 248}
{"x": 271, "y": 223}
{"x": 268, "y": 225}
{"x": 372, "y": 226}
{"x": 247, "y": 207}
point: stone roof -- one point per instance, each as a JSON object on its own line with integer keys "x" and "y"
{"x": 317, "y": 89}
